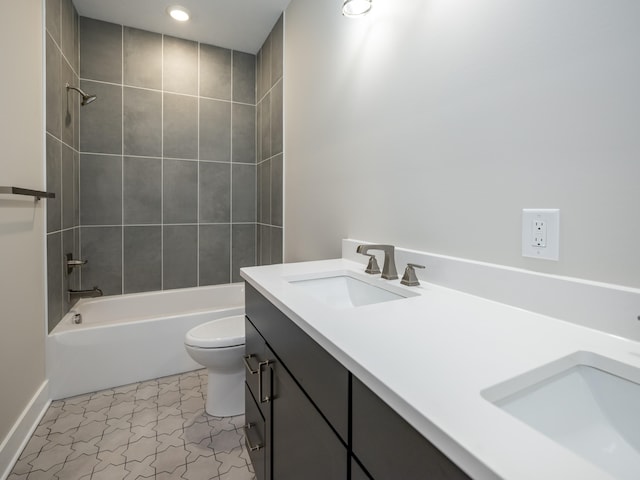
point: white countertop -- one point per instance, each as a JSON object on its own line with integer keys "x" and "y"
{"x": 430, "y": 356}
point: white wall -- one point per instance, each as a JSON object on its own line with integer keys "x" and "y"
{"x": 430, "y": 124}
{"x": 22, "y": 301}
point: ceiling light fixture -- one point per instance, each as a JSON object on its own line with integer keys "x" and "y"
{"x": 178, "y": 13}
{"x": 356, "y": 8}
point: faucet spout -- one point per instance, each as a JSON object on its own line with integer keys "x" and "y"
{"x": 389, "y": 271}
{"x": 75, "y": 295}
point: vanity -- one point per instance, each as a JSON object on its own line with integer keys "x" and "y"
{"x": 416, "y": 383}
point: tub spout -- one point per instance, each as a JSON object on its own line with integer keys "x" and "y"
{"x": 74, "y": 295}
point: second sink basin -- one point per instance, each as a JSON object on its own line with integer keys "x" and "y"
{"x": 587, "y": 403}
{"x": 345, "y": 289}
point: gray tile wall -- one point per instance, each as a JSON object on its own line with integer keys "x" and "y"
{"x": 167, "y": 161}
{"x": 269, "y": 154}
{"x": 62, "y": 152}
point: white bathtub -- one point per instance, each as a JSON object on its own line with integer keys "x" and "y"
{"x": 130, "y": 338}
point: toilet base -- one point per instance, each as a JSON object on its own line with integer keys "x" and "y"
{"x": 225, "y": 394}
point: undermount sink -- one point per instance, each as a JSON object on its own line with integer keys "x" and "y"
{"x": 588, "y": 403}
{"x": 345, "y": 289}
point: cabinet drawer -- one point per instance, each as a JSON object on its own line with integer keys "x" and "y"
{"x": 255, "y": 435}
{"x": 389, "y": 448}
{"x": 321, "y": 376}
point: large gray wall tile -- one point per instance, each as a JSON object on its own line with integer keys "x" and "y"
{"x": 54, "y": 279}
{"x": 53, "y": 19}
{"x": 100, "y": 50}
{"x": 215, "y": 72}
{"x": 180, "y": 256}
{"x": 243, "y": 249}
{"x": 142, "y": 58}
{"x": 265, "y": 67}
{"x": 244, "y": 133}
{"x": 243, "y": 191}
{"x": 265, "y": 126}
{"x": 69, "y": 101}
{"x": 244, "y": 77}
{"x": 142, "y": 190}
{"x": 264, "y": 192}
{"x": 142, "y": 259}
{"x": 180, "y": 192}
{"x": 71, "y": 280}
{"x": 180, "y": 65}
{"x": 215, "y": 250}
{"x": 180, "y": 129}
{"x": 68, "y": 188}
{"x": 67, "y": 31}
{"x": 76, "y": 186}
{"x": 264, "y": 245}
{"x": 277, "y": 180}
{"x": 215, "y": 192}
{"x": 215, "y": 130}
{"x": 142, "y": 122}
{"x": 101, "y": 121}
{"x": 54, "y": 88}
{"x": 54, "y": 183}
{"x": 276, "y": 119}
{"x": 277, "y": 50}
{"x": 276, "y": 245}
{"x": 101, "y": 247}
{"x": 100, "y": 190}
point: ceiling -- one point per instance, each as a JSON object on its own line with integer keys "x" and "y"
{"x": 236, "y": 24}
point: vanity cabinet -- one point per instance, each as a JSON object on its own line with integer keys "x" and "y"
{"x": 311, "y": 418}
{"x": 300, "y": 391}
{"x": 390, "y": 448}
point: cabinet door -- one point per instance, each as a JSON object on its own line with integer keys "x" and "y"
{"x": 303, "y": 444}
{"x": 389, "y": 448}
{"x": 322, "y": 377}
{"x": 255, "y": 435}
{"x": 357, "y": 473}
{"x": 255, "y": 354}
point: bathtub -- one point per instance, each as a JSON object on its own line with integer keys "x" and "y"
{"x": 134, "y": 337}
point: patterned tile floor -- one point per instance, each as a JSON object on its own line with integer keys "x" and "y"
{"x": 150, "y": 430}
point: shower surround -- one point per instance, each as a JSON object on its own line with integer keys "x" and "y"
{"x": 163, "y": 184}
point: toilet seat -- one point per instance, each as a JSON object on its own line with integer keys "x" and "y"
{"x": 220, "y": 333}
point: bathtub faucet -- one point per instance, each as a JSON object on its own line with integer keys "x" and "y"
{"x": 74, "y": 295}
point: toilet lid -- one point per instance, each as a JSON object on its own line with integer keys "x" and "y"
{"x": 222, "y": 332}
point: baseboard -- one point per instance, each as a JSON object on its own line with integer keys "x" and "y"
{"x": 17, "y": 439}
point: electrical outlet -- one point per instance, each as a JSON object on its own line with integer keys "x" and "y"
{"x": 541, "y": 233}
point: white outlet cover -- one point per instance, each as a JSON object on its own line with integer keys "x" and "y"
{"x": 551, "y": 218}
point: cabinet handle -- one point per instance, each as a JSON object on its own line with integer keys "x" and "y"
{"x": 245, "y": 359}
{"x": 252, "y": 448}
{"x": 260, "y": 396}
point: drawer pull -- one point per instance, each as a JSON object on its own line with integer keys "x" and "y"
{"x": 245, "y": 359}
{"x": 262, "y": 398}
{"x": 252, "y": 448}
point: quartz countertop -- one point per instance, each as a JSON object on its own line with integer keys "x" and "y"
{"x": 430, "y": 357}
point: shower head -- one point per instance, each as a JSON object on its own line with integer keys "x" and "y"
{"x": 86, "y": 98}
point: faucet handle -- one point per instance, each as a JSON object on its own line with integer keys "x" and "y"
{"x": 372, "y": 267}
{"x": 409, "y": 278}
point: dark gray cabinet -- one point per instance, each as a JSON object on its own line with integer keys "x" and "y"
{"x": 311, "y": 418}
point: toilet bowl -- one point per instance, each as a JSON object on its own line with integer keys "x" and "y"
{"x": 218, "y": 345}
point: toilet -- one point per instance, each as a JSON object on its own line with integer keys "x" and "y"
{"x": 219, "y": 346}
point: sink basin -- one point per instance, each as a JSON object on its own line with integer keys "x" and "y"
{"x": 588, "y": 403}
{"x": 344, "y": 290}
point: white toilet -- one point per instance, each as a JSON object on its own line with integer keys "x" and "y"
{"x": 219, "y": 346}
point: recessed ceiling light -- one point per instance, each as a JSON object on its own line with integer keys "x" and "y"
{"x": 178, "y": 13}
{"x": 356, "y": 8}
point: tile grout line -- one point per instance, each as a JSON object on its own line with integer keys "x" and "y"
{"x": 122, "y": 285}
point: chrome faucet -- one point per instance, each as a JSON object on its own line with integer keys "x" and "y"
{"x": 77, "y": 294}
{"x": 389, "y": 268}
